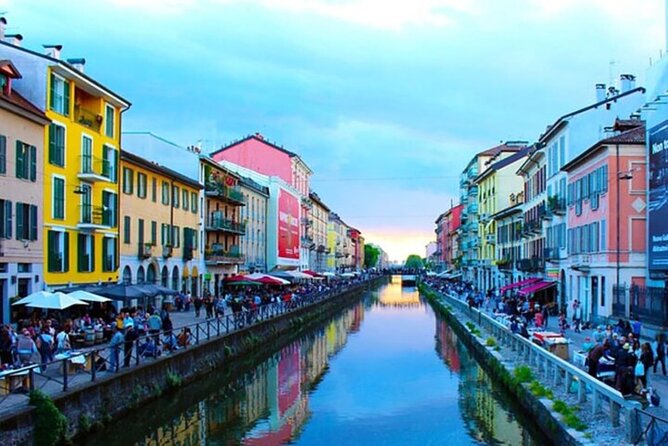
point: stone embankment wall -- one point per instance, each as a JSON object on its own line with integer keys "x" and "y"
{"x": 107, "y": 399}
{"x": 491, "y": 358}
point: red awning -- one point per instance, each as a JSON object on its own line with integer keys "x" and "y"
{"x": 535, "y": 287}
{"x": 519, "y": 284}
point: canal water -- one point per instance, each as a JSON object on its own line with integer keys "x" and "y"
{"x": 387, "y": 371}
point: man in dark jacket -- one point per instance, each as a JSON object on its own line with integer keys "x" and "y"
{"x": 131, "y": 336}
{"x": 595, "y": 355}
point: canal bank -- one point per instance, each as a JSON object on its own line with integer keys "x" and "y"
{"x": 385, "y": 370}
{"x": 567, "y": 403}
{"x": 93, "y": 404}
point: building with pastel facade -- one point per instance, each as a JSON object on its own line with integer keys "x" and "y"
{"x": 254, "y": 215}
{"x": 21, "y": 192}
{"x": 508, "y": 222}
{"x": 607, "y": 222}
{"x": 320, "y": 219}
{"x": 80, "y": 230}
{"x": 159, "y": 226}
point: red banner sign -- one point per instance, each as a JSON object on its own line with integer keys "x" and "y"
{"x": 288, "y": 225}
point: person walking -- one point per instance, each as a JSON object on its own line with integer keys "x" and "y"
{"x": 647, "y": 360}
{"x": 577, "y": 316}
{"x": 131, "y": 336}
{"x": 595, "y": 355}
{"x": 115, "y": 349}
{"x": 45, "y": 348}
{"x": 659, "y": 348}
{"x": 198, "y": 305}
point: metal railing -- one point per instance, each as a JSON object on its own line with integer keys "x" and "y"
{"x": 217, "y": 221}
{"x": 89, "y": 365}
{"x": 87, "y": 118}
{"x": 559, "y": 372}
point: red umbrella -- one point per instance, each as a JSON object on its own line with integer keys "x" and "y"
{"x": 312, "y": 273}
{"x": 238, "y": 278}
{"x": 270, "y": 281}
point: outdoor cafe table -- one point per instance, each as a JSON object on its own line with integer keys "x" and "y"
{"x": 76, "y": 361}
{"x": 11, "y": 380}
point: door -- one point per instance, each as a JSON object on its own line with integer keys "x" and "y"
{"x": 594, "y": 298}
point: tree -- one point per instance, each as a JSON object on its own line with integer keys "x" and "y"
{"x": 371, "y": 254}
{"x": 413, "y": 261}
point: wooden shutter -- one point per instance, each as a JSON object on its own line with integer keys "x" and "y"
{"x": 33, "y": 222}
{"x": 66, "y": 254}
{"x": 92, "y": 253}
{"x": 66, "y": 98}
{"x": 105, "y": 254}
{"x": 33, "y": 163}
{"x": 81, "y": 250}
{"x": 19, "y": 221}
{"x": 52, "y": 92}
{"x": 19, "y": 159}
{"x": 8, "y": 219}
{"x": 52, "y": 143}
{"x": 51, "y": 251}
{"x": 3, "y": 154}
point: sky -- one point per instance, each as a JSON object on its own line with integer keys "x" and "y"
{"x": 385, "y": 100}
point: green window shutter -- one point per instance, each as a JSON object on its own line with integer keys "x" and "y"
{"x": 154, "y": 232}
{"x": 19, "y": 159}
{"x": 126, "y": 230}
{"x": 19, "y": 221}
{"x": 52, "y": 143}
{"x": 33, "y": 223}
{"x": 81, "y": 249}
{"x": 140, "y": 230}
{"x": 33, "y": 163}
{"x": 3, "y": 154}
{"x": 8, "y": 219}
{"x": 50, "y": 251}
{"x": 117, "y": 163}
{"x": 92, "y": 253}
{"x": 66, "y": 99}
{"x": 52, "y": 92}
{"x": 66, "y": 254}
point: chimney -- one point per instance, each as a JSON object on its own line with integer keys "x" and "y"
{"x": 612, "y": 91}
{"x": 627, "y": 82}
{"x": 14, "y": 39}
{"x": 53, "y": 50}
{"x": 600, "y": 92}
{"x": 259, "y": 136}
{"x": 78, "y": 63}
{"x": 3, "y": 25}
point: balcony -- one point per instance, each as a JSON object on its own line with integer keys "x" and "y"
{"x": 167, "y": 251}
{"x": 307, "y": 222}
{"x": 556, "y": 205}
{"x": 188, "y": 253}
{"x": 581, "y": 262}
{"x": 552, "y": 254}
{"x": 144, "y": 251}
{"x": 226, "y": 193}
{"x": 321, "y": 248}
{"x": 473, "y": 208}
{"x": 491, "y": 239}
{"x": 216, "y": 222}
{"x": 94, "y": 217}
{"x": 94, "y": 169}
{"x": 505, "y": 264}
{"x": 88, "y": 118}
{"x": 531, "y": 265}
{"x": 218, "y": 255}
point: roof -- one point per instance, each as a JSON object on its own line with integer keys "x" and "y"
{"x": 16, "y": 103}
{"x": 521, "y": 153}
{"x": 560, "y": 122}
{"x": 633, "y": 136}
{"x": 157, "y": 168}
{"x": 258, "y": 137}
{"x": 249, "y": 183}
{"x": 508, "y": 146}
{"x": 514, "y": 209}
{"x": 315, "y": 197}
{"x": 533, "y": 150}
{"x": 68, "y": 67}
{"x": 214, "y": 163}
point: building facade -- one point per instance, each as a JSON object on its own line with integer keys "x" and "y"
{"x": 319, "y": 218}
{"x": 21, "y": 193}
{"x": 80, "y": 167}
{"x": 508, "y": 222}
{"x": 159, "y": 236}
{"x": 254, "y": 214}
{"x": 607, "y": 221}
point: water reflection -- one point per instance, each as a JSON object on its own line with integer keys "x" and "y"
{"x": 368, "y": 377}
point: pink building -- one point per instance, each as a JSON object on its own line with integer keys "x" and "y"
{"x": 447, "y": 225}
{"x": 606, "y": 219}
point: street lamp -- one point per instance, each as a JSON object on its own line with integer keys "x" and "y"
{"x": 621, "y": 175}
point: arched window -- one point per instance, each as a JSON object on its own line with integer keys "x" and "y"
{"x": 175, "y": 279}
{"x": 164, "y": 276}
{"x": 150, "y": 274}
{"x": 141, "y": 277}
{"x": 127, "y": 275}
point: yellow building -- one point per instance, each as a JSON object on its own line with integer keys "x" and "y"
{"x": 159, "y": 237}
{"x": 80, "y": 164}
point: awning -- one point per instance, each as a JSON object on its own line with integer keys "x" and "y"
{"x": 535, "y": 287}
{"x": 519, "y": 284}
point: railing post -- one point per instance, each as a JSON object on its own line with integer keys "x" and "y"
{"x": 208, "y": 330}
{"x": 31, "y": 375}
{"x": 567, "y": 382}
{"x": 582, "y": 391}
{"x": 633, "y": 422}
{"x": 595, "y": 402}
{"x": 197, "y": 334}
{"x": 136, "y": 345}
{"x": 93, "y": 366}
{"x": 65, "y": 375}
{"x": 614, "y": 413}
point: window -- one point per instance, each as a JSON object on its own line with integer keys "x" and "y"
{"x": 59, "y": 99}
{"x": 604, "y": 240}
{"x": 110, "y": 163}
{"x": 109, "y": 263}
{"x": 109, "y": 114}
{"x": 154, "y": 232}
{"x": 3, "y": 154}
{"x": 109, "y": 209}
{"x": 140, "y": 231}
{"x": 5, "y": 219}
{"x": 165, "y": 193}
{"x": 86, "y": 154}
{"x": 185, "y": 200}
{"x": 176, "y": 237}
{"x": 85, "y": 253}
{"x": 26, "y": 222}
{"x": 141, "y": 185}
{"x": 58, "y": 198}
{"x": 26, "y": 161}
{"x": 165, "y": 235}
{"x": 126, "y": 230}
{"x": 58, "y": 251}
{"x": 175, "y": 196}
{"x": 193, "y": 202}
{"x": 86, "y": 204}
{"x": 154, "y": 189}
{"x": 128, "y": 180}
{"x": 57, "y": 145}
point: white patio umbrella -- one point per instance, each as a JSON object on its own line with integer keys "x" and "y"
{"x": 328, "y": 274}
{"x": 299, "y": 275}
{"x": 87, "y": 296}
{"x": 260, "y": 276}
{"x": 55, "y": 301}
{"x": 348, "y": 275}
{"x": 30, "y": 297}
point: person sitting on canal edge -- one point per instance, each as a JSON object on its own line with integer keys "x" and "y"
{"x": 595, "y": 355}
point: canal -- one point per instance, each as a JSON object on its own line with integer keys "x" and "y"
{"x": 386, "y": 371}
